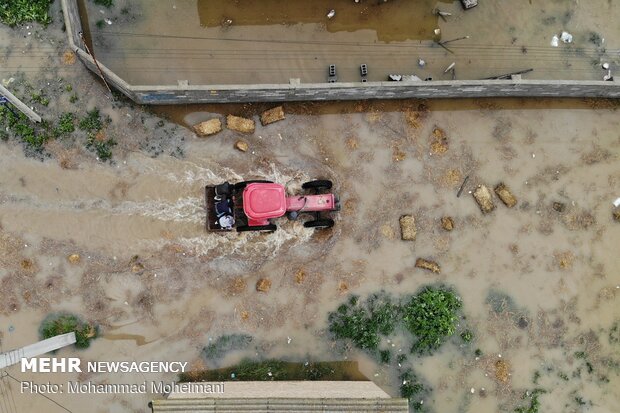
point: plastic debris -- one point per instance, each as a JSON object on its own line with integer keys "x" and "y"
{"x": 606, "y": 66}
{"x": 331, "y": 13}
{"x": 421, "y": 63}
{"x": 555, "y": 41}
{"x": 617, "y": 202}
{"x": 566, "y": 37}
{"x": 450, "y": 67}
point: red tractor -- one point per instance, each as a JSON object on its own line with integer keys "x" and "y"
{"x": 251, "y": 205}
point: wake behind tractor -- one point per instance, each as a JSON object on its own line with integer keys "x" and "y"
{"x": 252, "y": 205}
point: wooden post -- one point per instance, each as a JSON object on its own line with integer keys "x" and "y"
{"x": 19, "y": 105}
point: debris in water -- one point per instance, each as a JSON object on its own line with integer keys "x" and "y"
{"x": 408, "y": 228}
{"x": 606, "y": 66}
{"x": 242, "y": 145}
{"x": 439, "y": 142}
{"x": 447, "y": 223}
{"x": 555, "y": 41}
{"x": 263, "y": 285}
{"x": 428, "y": 265}
{"x": 331, "y": 13}
{"x": 566, "y": 37}
{"x": 558, "y": 206}
{"x": 272, "y": 115}
{"x": 74, "y": 258}
{"x": 240, "y": 124}
{"x": 450, "y": 67}
{"x": 421, "y": 63}
{"x": 502, "y": 370}
{"x": 505, "y": 195}
{"x": 209, "y": 127}
{"x": 458, "y": 194}
{"x": 483, "y": 197}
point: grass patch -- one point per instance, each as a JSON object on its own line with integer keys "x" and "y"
{"x": 225, "y": 344}
{"x": 14, "y": 12}
{"x": 62, "y": 323}
{"x": 92, "y": 122}
{"x": 66, "y": 124}
{"x": 534, "y": 406}
{"x": 431, "y": 317}
{"x": 274, "y": 370}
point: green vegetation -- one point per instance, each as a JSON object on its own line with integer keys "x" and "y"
{"x": 431, "y": 317}
{"x": 467, "y": 336}
{"x": 274, "y": 370}
{"x": 92, "y": 122}
{"x": 226, "y": 343}
{"x": 534, "y": 406}
{"x": 100, "y": 24}
{"x": 62, "y": 323}
{"x": 14, "y": 12}
{"x": 66, "y": 124}
{"x": 363, "y": 323}
{"x": 103, "y": 148}
{"x": 412, "y": 389}
{"x": 614, "y": 333}
{"x": 104, "y": 3}
{"x": 39, "y": 98}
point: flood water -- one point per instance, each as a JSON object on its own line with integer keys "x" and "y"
{"x": 540, "y": 285}
{"x": 559, "y": 269}
{"x": 241, "y": 42}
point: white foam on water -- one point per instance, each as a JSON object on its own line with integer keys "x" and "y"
{"x": 189, "y": 209}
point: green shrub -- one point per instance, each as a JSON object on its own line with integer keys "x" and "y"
{"x": 534, "y": 406}
{"x": 431, "y": 317}
{"x": 62, "y": 323}
{"x": 14, "y": 12}
{"x": 362, "y": 323}
{"x": 412, "y": 389}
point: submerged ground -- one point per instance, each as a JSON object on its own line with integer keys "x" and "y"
{"x": 539, "y": 282}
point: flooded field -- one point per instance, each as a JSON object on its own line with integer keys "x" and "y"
{"x": 539, "y": 282}
{"x": 205, "y": 42}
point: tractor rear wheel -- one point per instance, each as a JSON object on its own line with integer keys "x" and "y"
{"x": 319, "y": 223}
{"x": 261, "y": 228}
{"x": 318, "y": 184}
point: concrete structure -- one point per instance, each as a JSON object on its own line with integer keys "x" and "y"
{"x": 284, "y": 396}
{"x": 182, "y": 93}
{"x": 45, "y": 346}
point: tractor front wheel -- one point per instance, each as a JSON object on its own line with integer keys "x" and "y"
{"x": 319, "y": 223}
{"x": 318, "y": 184}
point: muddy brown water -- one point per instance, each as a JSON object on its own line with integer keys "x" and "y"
{"x": 241, "y": 42}
{"x": 559, "y": 269}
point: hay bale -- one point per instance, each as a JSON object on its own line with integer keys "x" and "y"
{"x": 502, "y": 370}
{"x": 272, "y": 115}
{"x": 408, "y": 228}
{"x": 447, "y": 223}
{"x": 428, "y": 265}
{"x": 242, "y": 146}
{"x": 74, "y": 258}
{"x": 483, "y": 197}
{"x": 505, "y": 195}
{"x": 263, "y": 285}
{"x": 240, "y": 124}
{"x": 208, "y": 128}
